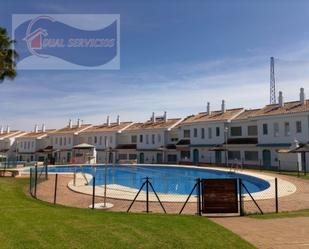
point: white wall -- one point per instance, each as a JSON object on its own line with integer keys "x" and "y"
{"x": 302, "y": 137}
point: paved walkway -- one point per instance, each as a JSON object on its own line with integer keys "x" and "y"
{"x": 280, "y": 233}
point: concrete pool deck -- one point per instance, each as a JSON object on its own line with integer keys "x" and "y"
{"x": 65, "y": 196}
{"x": 116, "y": 191}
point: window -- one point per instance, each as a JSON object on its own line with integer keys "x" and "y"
{"x": 251, "y": 155}
{"x": 172, "y": 158}
{"x": 234, "y": 155}
{"x": 60, "y": 142}
{"x": 159, "y": 138}
{"x": 209, "y": 133}
{"x": 252, "y": 130}
{"x": 105, "y": 141}
{"x": 298, "y": 127}
{"x": 110, "y": 139}
{"x": 133, "y": 139}
{"x": 276, "y": 129}
{"x": 236, "y": 131}
{"x": 101, "y": 140}
{"x": 265, "y": 129}
{"x": 95, "y": 139}
{"x": 185, "y": 154}
{"x": 56, "y": 140}
{"x": 203, "y": 133}
{"x": 122, "y": 156}
{"x": 89, "y": 140}
{"x": 218, "y": 131}
{"x": 64, "y": 141}
{"x": 186, "y": 133}
{"x": 287, "y": 129}
{"x": 69, "y": 140}
{"x": 140, "y": 138}
{"x": 32, "y": 144}
{"x": 147, "y": 139}
{"x": 195, "y": 132}
{"x": 153, "y": 138}
{"x": 132, "y": 156}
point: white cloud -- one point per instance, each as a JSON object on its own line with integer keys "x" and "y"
{"x": 180, "y": 89}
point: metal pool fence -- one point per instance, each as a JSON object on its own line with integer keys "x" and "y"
{"x": 78, "y": 189}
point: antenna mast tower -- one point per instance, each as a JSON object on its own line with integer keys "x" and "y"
{"x": 272, "y": 81}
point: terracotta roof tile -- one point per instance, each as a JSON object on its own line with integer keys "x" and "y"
{"x": 10, "y": 134}
{"x": 159, "y": 124}
{"x": 114, "y": 127}
{"x": 275, "y": 109}
{"x": 214, "y": 116}
{"x": 74, "y": 129}
{"x": 38, "y": 134}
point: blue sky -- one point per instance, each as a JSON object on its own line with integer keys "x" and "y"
{"x": 175, "y": 56}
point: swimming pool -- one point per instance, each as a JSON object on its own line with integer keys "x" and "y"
{"x": 165, "y": 179}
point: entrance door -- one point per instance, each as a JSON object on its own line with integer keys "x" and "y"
{"x": 303, "y": 162}
{"x": 266, "y": 158}
{"x": 195, "y": 156}
{"x": 218, "y": 157}
{"x": 159, "y": 157}
{"x": 141, "y": 157}
{"x": 69, "y": 157}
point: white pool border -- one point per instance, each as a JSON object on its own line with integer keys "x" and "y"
{"x": 120, "y": 192}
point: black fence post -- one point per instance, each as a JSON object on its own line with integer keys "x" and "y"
{"x": 276, "y": 194}
{"x": 297, "y": 165}
{"x": 30, "y": 182}
{"x": 198, "y": 182}
{"x": 93, "y": 192}
{"x": 46, "y": 170}
{"x": 241, "y": 208}
{"x": 35, "y": 179}
{"x": 260, "y": 165}
{"x": 279, "y": 166}
{"x": 56, "y": 187}
{"x": 147, "y": 194}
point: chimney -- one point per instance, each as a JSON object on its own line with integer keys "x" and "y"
{"x": 36, "y": 128}
{"x": 43, "y": 128}
{"x": 302, "y": 97}
{"x": 1, "y": 130}
{"x": 165, "y": 116}
{"x": 281, "y": 103}
{"x": 223, "y": 109}
{"x": 78, "y": 123}
{"x": 70, "y": 123}
{"x": 108, "y": 122}
{"x": 118, "y": 120}
{"x": 8, "y": 129}
{"x": 153, "y": 118}
{"x": 208, "y": 108}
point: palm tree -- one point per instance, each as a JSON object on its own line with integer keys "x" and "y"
{"x": 7, "y": 56}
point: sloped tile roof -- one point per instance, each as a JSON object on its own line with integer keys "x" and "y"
{"x": 113, "y": 127}
{"x": 159, "y": 124}
{"x": 214, "y": 116}
{"x": 74, "y": 129}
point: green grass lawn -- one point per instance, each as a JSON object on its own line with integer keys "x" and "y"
{"x": 28, "y": 223}
{"x": 300, "y": 213}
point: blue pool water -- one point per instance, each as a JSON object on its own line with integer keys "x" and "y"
{"x": 165, "y": 179}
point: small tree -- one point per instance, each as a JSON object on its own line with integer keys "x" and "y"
{"x": 7, "y": 56}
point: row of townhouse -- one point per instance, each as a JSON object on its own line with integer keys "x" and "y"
{"x": 253, "y": 137}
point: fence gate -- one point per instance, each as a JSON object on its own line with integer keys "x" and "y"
{"x": 219, "y": 196}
